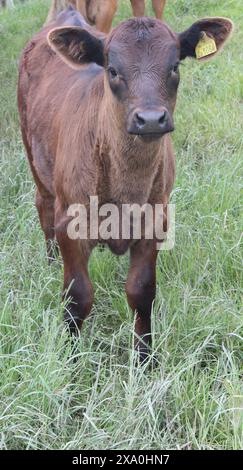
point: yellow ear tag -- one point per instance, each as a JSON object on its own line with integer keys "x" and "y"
{"x": 205, "y": 46}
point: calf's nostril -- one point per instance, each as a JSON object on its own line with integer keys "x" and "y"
{"x": 140, "y": 120}
{"x": 162, "y": 118}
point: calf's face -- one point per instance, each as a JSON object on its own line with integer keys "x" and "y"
{"x": 141, "y": 58}
{"x": 142, "y": 69}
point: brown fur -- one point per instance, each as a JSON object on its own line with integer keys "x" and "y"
{"x": 74, "y": 127}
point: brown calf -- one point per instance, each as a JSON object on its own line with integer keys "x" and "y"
{"x": 101, "y": 12}
{"x": 96, "y": 113}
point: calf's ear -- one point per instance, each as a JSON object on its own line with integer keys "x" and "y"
{"x": 205, "y": 38}
{"x": 76, "y": 46}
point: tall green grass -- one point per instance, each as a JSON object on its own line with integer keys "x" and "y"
{"x": 193, "y": 399}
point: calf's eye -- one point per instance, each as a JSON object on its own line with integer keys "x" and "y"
{"x": 113, "y": 73}
{"x": 175, "y": 69}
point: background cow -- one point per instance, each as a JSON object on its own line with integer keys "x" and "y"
{"x": 101, "y": 12}
{"x": 96, "y": 12}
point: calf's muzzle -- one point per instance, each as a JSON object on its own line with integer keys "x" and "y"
{"x": 154, "y": 121}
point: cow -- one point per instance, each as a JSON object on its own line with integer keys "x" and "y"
{"x": 96, "y": 12}
{"x": 96, "y": 114}
{"x": 101, "y": 12}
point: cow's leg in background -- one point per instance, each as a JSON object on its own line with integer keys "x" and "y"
{"x": 77, "y": 289}
{"x": 140, "y": 289}
{"x": 105, "y": 15}
{"x": 138, "y": 7}
{"x": 158, "y": 7}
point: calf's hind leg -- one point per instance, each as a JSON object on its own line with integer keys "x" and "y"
{"x": 140, "y": 289}
{"x": 45, "y": 206}
{"x": 44, "y": 202}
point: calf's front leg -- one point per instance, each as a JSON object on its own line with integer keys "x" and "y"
{"x": 77, "y": 285}
{"x": 141, "y": 289}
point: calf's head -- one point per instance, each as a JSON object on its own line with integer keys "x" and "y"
{"x": 141, "y": 59}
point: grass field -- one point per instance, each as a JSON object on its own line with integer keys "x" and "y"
{"x": 193, "y": 399}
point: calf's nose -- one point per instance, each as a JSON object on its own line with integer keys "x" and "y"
{"x": 150, "y": 121}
